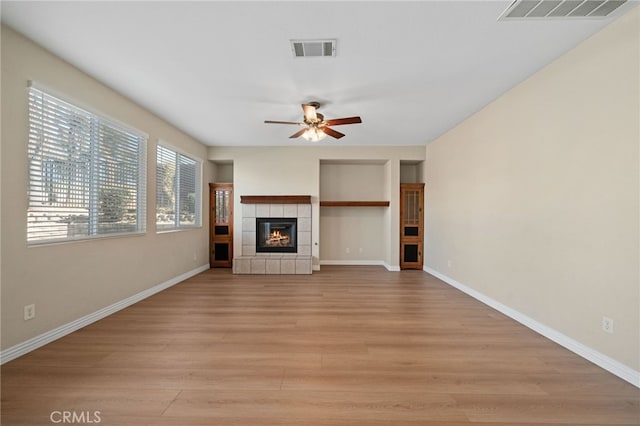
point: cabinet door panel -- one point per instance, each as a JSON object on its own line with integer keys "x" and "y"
{"x": 410, "y": 253}
{"x": 411, "y": 225}
{"x": 221, "y": 225}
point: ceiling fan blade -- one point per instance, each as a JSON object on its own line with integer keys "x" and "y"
{"x": 284, "y": 122}
{"x": 297, "y": 134}
{"x": 329, "y": 131}
{"x": 309, "y": 112}
{"x": 347, "y": 120}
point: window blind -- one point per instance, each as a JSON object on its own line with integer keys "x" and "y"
{"x": 87, "y": 173}
{"x": 178, "y": 193}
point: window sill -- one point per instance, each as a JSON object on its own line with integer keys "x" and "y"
{"x": 185, "y": 228}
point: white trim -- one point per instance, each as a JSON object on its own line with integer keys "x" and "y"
{"x": 352, "y": 262}
{"x": 392, "y": 268}
{"x": 361, "y": 263}
{"x": 51, "y": 335}
{"x": 611, "y": 365}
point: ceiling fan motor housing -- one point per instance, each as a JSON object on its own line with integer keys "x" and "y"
{"x": 318, "y": 120}
{"x": 319, "y": 117}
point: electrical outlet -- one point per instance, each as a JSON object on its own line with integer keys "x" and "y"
{"x": 195, "y": 256}
{"x": 360, "y": 250}
{"x": 29, "y": 312}
{"x": 607, "y": 325}
{"x": 348, "y": 250}
{"x": 449, "y": 263}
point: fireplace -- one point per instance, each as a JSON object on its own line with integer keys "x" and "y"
{"x": 276, "y": 235}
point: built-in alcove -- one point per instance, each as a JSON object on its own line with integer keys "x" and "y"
{"x": 354, "y": 208}
{"x": 357, "y": 182}
{"x": 223, "y": 171}
{"x": 411, "y": 171}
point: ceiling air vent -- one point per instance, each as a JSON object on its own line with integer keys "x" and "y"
{"x": 553, "y": 9}
{"x": 313, "y": 48}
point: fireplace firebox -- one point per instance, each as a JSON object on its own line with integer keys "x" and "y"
{"x": 276, "y": 235}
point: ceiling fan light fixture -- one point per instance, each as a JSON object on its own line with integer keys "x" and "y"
{"x": 317, "y": 128}
{"x": 314, "y": 134}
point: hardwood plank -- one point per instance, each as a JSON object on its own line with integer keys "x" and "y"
{"x": 359, "y": 408}
{"x": 422, "y": 364}
{"x": 211, "y": 360}
{"x": 262, "y": 378}
{"x": 549, "y": 409}
{"x": 116, "y": 401}
{"x": 344, "y": 346}
{"x": 407, "y": 381}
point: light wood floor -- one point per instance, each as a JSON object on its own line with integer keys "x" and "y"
{"x": 345, "y": 346}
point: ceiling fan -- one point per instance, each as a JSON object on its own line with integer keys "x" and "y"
{"x": 317, "y": 128}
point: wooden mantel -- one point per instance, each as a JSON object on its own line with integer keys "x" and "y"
{"x": 275, "y": 199}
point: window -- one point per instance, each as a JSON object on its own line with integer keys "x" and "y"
{"x": 177, "y": 190}
{"x": 87, "y": 173}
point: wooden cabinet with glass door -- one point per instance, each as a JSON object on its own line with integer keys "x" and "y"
{"x": 411, "y": 225}
{"x": 221, "y": 225}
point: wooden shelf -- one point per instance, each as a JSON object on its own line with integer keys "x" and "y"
{"x": 275, "y": 199}
{"x": 354, "y": 203}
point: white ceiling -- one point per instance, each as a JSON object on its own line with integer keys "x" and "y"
{"x": 217, "y": 70}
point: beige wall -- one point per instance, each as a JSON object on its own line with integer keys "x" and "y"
{"x": 535, "y": 199}
{"x": 70, "y": 280}
{"x": 296, "y": 171}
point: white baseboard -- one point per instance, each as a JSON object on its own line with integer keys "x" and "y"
{"x": 611, "y": 365}
{"x": 48, "y": 337}
{"x": 361, "y": 263}
{"x": 352, "y": 262}
{"x": 392, "y": 268}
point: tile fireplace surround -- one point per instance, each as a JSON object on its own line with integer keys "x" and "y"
{"x": 274, "y": 263}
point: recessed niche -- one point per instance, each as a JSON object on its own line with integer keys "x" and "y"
{"x": 223, "y": 171}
